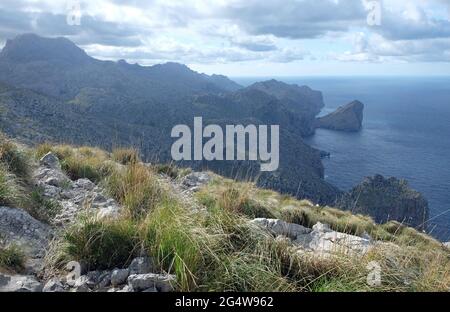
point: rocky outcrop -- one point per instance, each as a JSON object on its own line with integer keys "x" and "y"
{"x": 19, "y": 283}
{"x": 319, "y": 241}
{"x": 19, "y": 228}
{"x": 388, "y": 199}
{"x": 345, "y": 118}
{"x": 72, "y": 196}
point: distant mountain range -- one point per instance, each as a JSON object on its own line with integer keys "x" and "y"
{"x": 51, "y": 90}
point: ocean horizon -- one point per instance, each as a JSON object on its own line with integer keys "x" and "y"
{"x": 405, "y": 135}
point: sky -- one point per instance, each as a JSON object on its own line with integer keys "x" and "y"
{"x": 249, "y": 37}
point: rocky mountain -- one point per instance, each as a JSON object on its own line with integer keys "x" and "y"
{"x": 67, "y": 96}
{"x": 388, "y": 199}
{"x": 346, "y": 118}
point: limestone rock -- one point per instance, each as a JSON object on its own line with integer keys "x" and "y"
{"x": 54, "y": 285}
{"x": 162, "y": 282}
{"x": 324, "y": 241}
{"x": 18, "y": 227}
{"x": 279, "y": 227}
{"x": 195, "y": 180}
{"x": 141, "y": 265}
{"x": 119, "y": 276}
{"x": 51, "y": 161}
{"x": 19, "y": 283}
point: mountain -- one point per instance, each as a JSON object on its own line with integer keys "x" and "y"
{"x": 346, "y": 118}
{"x": 67, "y": 96}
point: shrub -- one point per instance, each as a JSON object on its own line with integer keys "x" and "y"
{"x": 125, "y": 156}
{"x": 12, "y": 258}
{"x": 102, "y": 244}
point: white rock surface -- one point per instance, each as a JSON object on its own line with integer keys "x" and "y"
{"x": 19, "y": 283}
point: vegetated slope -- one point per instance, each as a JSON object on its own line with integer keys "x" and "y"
{"x": 196, "y": 231}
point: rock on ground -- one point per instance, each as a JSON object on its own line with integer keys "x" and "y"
{"x": 142, "y": 282}
{"x": 19, "y": 283}
{"x": 18, "y": 227}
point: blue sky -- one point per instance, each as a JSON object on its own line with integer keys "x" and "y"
{"x": 250, "y": 37}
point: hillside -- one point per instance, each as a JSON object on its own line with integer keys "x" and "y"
{"x": 78, "y": 99}
{"x": 134, "y": 226}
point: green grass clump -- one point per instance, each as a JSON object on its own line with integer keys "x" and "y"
{"x": 13, "y": 159}
{"x": 102, "y": 244}
{"x": 12, "y": 258}
{"x": 42, "y": 208}
{"x": 136, "y": 188}
{"x": 125, "y": 156}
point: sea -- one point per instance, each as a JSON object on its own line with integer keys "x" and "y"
{"x": 406, "y": 134}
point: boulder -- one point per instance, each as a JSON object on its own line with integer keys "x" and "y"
{"x": 195, "y": 180}
{"x": 54, "y": 285}
{"x": 324, "y": 241}
{"x": 119, "y": 276}
{"x": 18, "y": 227}
{"x": 279, "y": 227}
{"x": 19, "y": 283}
{"x": 141, "y": 265}
{"x": 162, "y": 282}
{"x": 51, "y": 161}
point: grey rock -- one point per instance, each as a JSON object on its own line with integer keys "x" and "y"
{"x": 279, "y": 227}
{"x": 162, "y": 282}
{"x": 51, "y": 161}
{"x": 119, "y": 276}
{"x": 195, "y": 180}
{"x": 141, "y": 265}
{"x": 54, "y": 285}
{"x": 324, "y": 241}
{"x": 447, "y": 244}
{"x": 19, "y": 283}
{"x": 18, "y": 227}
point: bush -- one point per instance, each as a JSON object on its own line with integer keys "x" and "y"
{"x": 125, "y": 156}
{"x": 102, "y": 244}
{"x": 12, "y": 258}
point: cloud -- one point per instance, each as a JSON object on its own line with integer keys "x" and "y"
{"x": 226, "y": 31}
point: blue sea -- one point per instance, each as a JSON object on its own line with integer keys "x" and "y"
{"x": 406, "y": 134}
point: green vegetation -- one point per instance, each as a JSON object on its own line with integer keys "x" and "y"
{"x": 102, "y": 244}
{"x": 12, "y": 258}
{"x": 213, "y": 246}
{"x": 125, "y": 156}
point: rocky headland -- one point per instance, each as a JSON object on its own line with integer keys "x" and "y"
{"x": 346, "y": 118}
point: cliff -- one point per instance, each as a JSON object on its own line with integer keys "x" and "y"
{"x": 388, "y": 199}
{"x": 345, "y": 118}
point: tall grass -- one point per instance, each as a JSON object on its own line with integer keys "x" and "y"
{"x": 136, "y": 188}
{"x": 12, "y": 258}
{"x": 102, "y": 244}
{"x": 125, "y": 156}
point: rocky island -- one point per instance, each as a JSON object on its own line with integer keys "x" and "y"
{"x": 346, "y": 118}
